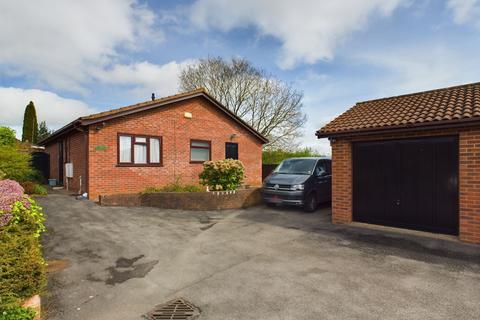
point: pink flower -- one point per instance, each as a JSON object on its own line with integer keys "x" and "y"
{"x": 11, "y": 192}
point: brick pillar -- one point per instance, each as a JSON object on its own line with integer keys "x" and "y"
{"x": 469, "y": 185}
{"x": 341, "y": 181}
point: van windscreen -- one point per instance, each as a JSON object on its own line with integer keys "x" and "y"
{"x": 296, "y": 166}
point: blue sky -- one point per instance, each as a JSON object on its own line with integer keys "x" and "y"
{"x": 77, "y": 57}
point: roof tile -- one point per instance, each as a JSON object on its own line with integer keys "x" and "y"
{"x": 446, "y": 104}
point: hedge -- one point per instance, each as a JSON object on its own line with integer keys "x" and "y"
{"x": 22, "y": 268}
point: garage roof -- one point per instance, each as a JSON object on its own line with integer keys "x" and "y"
{"x": 456, "y": 106}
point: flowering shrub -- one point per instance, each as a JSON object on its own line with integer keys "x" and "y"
{"x": 225, "y": 174}
{"x": 11, "y": 186}
{"x": 10, "y": 192}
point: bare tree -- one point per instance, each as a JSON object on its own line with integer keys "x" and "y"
{"x": 269, "y": 105}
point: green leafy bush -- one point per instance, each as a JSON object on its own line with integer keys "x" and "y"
{"x": 39, "y": 189}
{"x": 227, "y": 174}
{"x": 15, "y": 162}
{"x": 276, "y": 156}
{"x": 29, "y": 215}
{"x": 33, "y": 188}
{"x": 7, "y": 136}
{"x": 173, "y": 187}
{"x": 17, "y": 313}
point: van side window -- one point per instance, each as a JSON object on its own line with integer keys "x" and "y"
{"x": 320, "y": 168}
{"x": 329, "y": 166}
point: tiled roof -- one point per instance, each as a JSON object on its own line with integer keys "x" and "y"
{"x": 141, "y": 105}
{"x": 453, "y": 104}
{"x": 119, "y": 112}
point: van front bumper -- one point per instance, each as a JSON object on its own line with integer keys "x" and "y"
{"x": 283, "y": 197}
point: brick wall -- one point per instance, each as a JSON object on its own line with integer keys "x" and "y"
{"x": 207, "y": 123}
{"x": 342, "y": 181}
{"x": 74, "y": 151}
{"x": 469, "y": 144}
{"x": 469, "y": 177}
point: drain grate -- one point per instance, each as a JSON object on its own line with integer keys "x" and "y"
{"x": 178, "y": 309}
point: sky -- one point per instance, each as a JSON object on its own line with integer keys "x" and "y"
{"x": 73, "y": 58}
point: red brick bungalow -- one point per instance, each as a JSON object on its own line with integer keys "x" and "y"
{"x": 410, "y": 161}
{"x": 152, "y": 144}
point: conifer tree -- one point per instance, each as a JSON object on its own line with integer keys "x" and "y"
{"x": 30, "y": 125}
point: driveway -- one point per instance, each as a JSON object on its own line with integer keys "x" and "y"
{"x": 260, "y": 263}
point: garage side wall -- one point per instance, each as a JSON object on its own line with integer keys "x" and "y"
{"x": 341, "y": 181}
{"x": 469, "y": 177}
{"x": 470, "y": 186}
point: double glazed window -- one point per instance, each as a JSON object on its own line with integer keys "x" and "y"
{"x": 200, "y": 151}
{"x": 139, "y": 150}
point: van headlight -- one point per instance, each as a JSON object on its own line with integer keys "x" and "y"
{"x": 297, "y": 187}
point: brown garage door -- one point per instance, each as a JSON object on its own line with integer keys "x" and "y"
{"x": 411, "y": 183}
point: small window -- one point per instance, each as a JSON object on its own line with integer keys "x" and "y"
{"x": 199, "y": 151}
{"x": 231, "y": 150}
{"x": 139, "y": 150}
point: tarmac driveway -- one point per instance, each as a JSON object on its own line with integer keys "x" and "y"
{"x": 260, "y": 263}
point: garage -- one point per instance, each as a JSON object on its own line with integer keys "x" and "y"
{"x": 410, "y": 161}
{"x": 408, "y": 183}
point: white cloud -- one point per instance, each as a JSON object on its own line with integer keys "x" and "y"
{"x": 63, "y": 42}
{"x": 55, "y": 110}
{"x": 309, "y": 30}
{"x": 465, "y": 11}
{"x": 421, "y": 67}
{"x": 144, "y": 77}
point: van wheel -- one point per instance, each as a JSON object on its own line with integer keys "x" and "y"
{"x": 310, "y": 202}
{"x": 271, "y": 205}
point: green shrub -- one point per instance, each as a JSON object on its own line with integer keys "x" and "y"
{"x": 173, "y": 187}
{"x": 22, "y": 271}
{"x": 276, "y": 156}
{"x": 40, "y": 190}
{"x": 7, "y": 136}
{"x": 31, "y": 187}
{"x": 29, "y": 216}
{"x": 225, "y": 174}
{"x": 15, "y": 162}
{"x": 17, "y": 313}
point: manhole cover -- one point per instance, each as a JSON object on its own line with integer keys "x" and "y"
{"x": 177, "y": 309}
